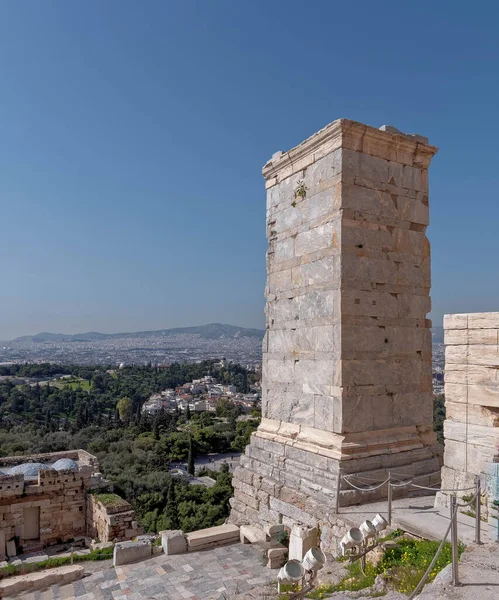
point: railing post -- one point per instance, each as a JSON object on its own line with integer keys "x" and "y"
{"x": 478, "y": 510}
{"x": 454, "y": 541}
{"x": 389, "y": 498}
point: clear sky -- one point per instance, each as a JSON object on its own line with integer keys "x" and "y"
{"x": 132, "y": 136}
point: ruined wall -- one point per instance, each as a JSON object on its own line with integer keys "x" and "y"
{"x": 109, "y": 524}
{"x": 61, "y": 499}
{"x": 471, "y": 428}
{"x": 346, "y": 376}
{"x": 60, "y": 496}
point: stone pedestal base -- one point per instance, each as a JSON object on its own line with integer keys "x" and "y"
{"x": 292, "y": 474}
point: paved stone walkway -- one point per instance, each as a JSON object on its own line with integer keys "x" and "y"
{"x": 225, "y": 572}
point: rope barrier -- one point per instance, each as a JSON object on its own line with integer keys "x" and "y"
{"x": 403, "y": 484}
{"x": 467, "y": 503}
{"x": 455, "y": 506}
{"x": 362, "y": 478}
{"x": 448, "y": 491}
{"x": 423, "y": 487}
{"x": 364, "y": 489}
{"x": 416, "y": 476}
{"x": 395, "y": 476}
{"x": 417, "y": 589}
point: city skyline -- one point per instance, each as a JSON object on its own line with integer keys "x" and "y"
{"x": 133, "y": 140}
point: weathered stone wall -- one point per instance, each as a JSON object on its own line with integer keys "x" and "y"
{"x": 111, "y": 524}
{"x": 60, "y": 495}
{"x": 471, "y": 428}
{"x": 347, "y": 354}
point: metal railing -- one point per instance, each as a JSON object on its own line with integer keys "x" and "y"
{"x": 393, "y": 481}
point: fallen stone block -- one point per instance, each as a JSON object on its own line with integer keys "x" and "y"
{"x": 100, "y": 545}
{"x": 80, "y": 540}
{"x": 10, "y": 546}
{"x": 37, "y": 559}
{"x": 129, "y": 552}
{"x": 173, "y": 542}
{"x": 277, "y": 551}
{"x": 151, "y": 537}
{"x": 15, "y": 562}
{"x": 212, "y": 537}
{"x": 38, "y": 581}
{"x": 249, "y": 534}
{"x": 273, "y": 531}
{"x": 301, "y": 540}
{"x": 276, "y": 562}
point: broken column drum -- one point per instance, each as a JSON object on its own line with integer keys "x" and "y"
{"x": 346, "y": 379}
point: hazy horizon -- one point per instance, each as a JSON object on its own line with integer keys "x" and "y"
{"x": 145, "y": 330}
{"x": 194, "y": 325}
{"x": 133, "y": 138}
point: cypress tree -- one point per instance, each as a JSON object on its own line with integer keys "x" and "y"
{"x": 190, "y": 458}
{"x": 171, "y": 506}
{"x": 156, "y": 428}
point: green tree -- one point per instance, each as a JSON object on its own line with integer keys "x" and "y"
{"x": 171, "y": 506}
{"x": 190, "y": 458}
{"x": 224, "y": 407}
{"x": 188, "y": 413}
{"x": 439, "y": 416}
{"x": 124, "y": 407}
{"x": 156, "y": 429}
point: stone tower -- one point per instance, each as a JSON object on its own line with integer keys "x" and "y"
{"x": 347, "y": 384}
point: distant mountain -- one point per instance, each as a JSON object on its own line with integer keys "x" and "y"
{"x": 211, "y": 331}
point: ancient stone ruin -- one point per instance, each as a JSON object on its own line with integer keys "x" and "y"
{"x": 471, "y": 428}
{"x": 347, "y": 385}
{"x": 46, "y": 499}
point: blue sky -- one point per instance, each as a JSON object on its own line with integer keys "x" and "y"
{"x": 132, "y": 136}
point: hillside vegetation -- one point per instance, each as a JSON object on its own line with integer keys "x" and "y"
{"x": 103, "y": 415}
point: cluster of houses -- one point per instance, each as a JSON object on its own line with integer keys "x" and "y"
{"x": 201, "y": 395}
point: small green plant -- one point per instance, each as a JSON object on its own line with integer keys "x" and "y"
{"x": 403, "y": 566}
{"x": 471, "y": 510}
{"x": 111, "y": 500}
{"x": 300, "y": 190}
{"x": 354, "y": 581}
{"x": 293, "y": 204}
{"x": 406, "y": 564}
{"x": 396, "y": 533}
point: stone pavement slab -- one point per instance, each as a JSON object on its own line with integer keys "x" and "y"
{"x": 224, "y": 572}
